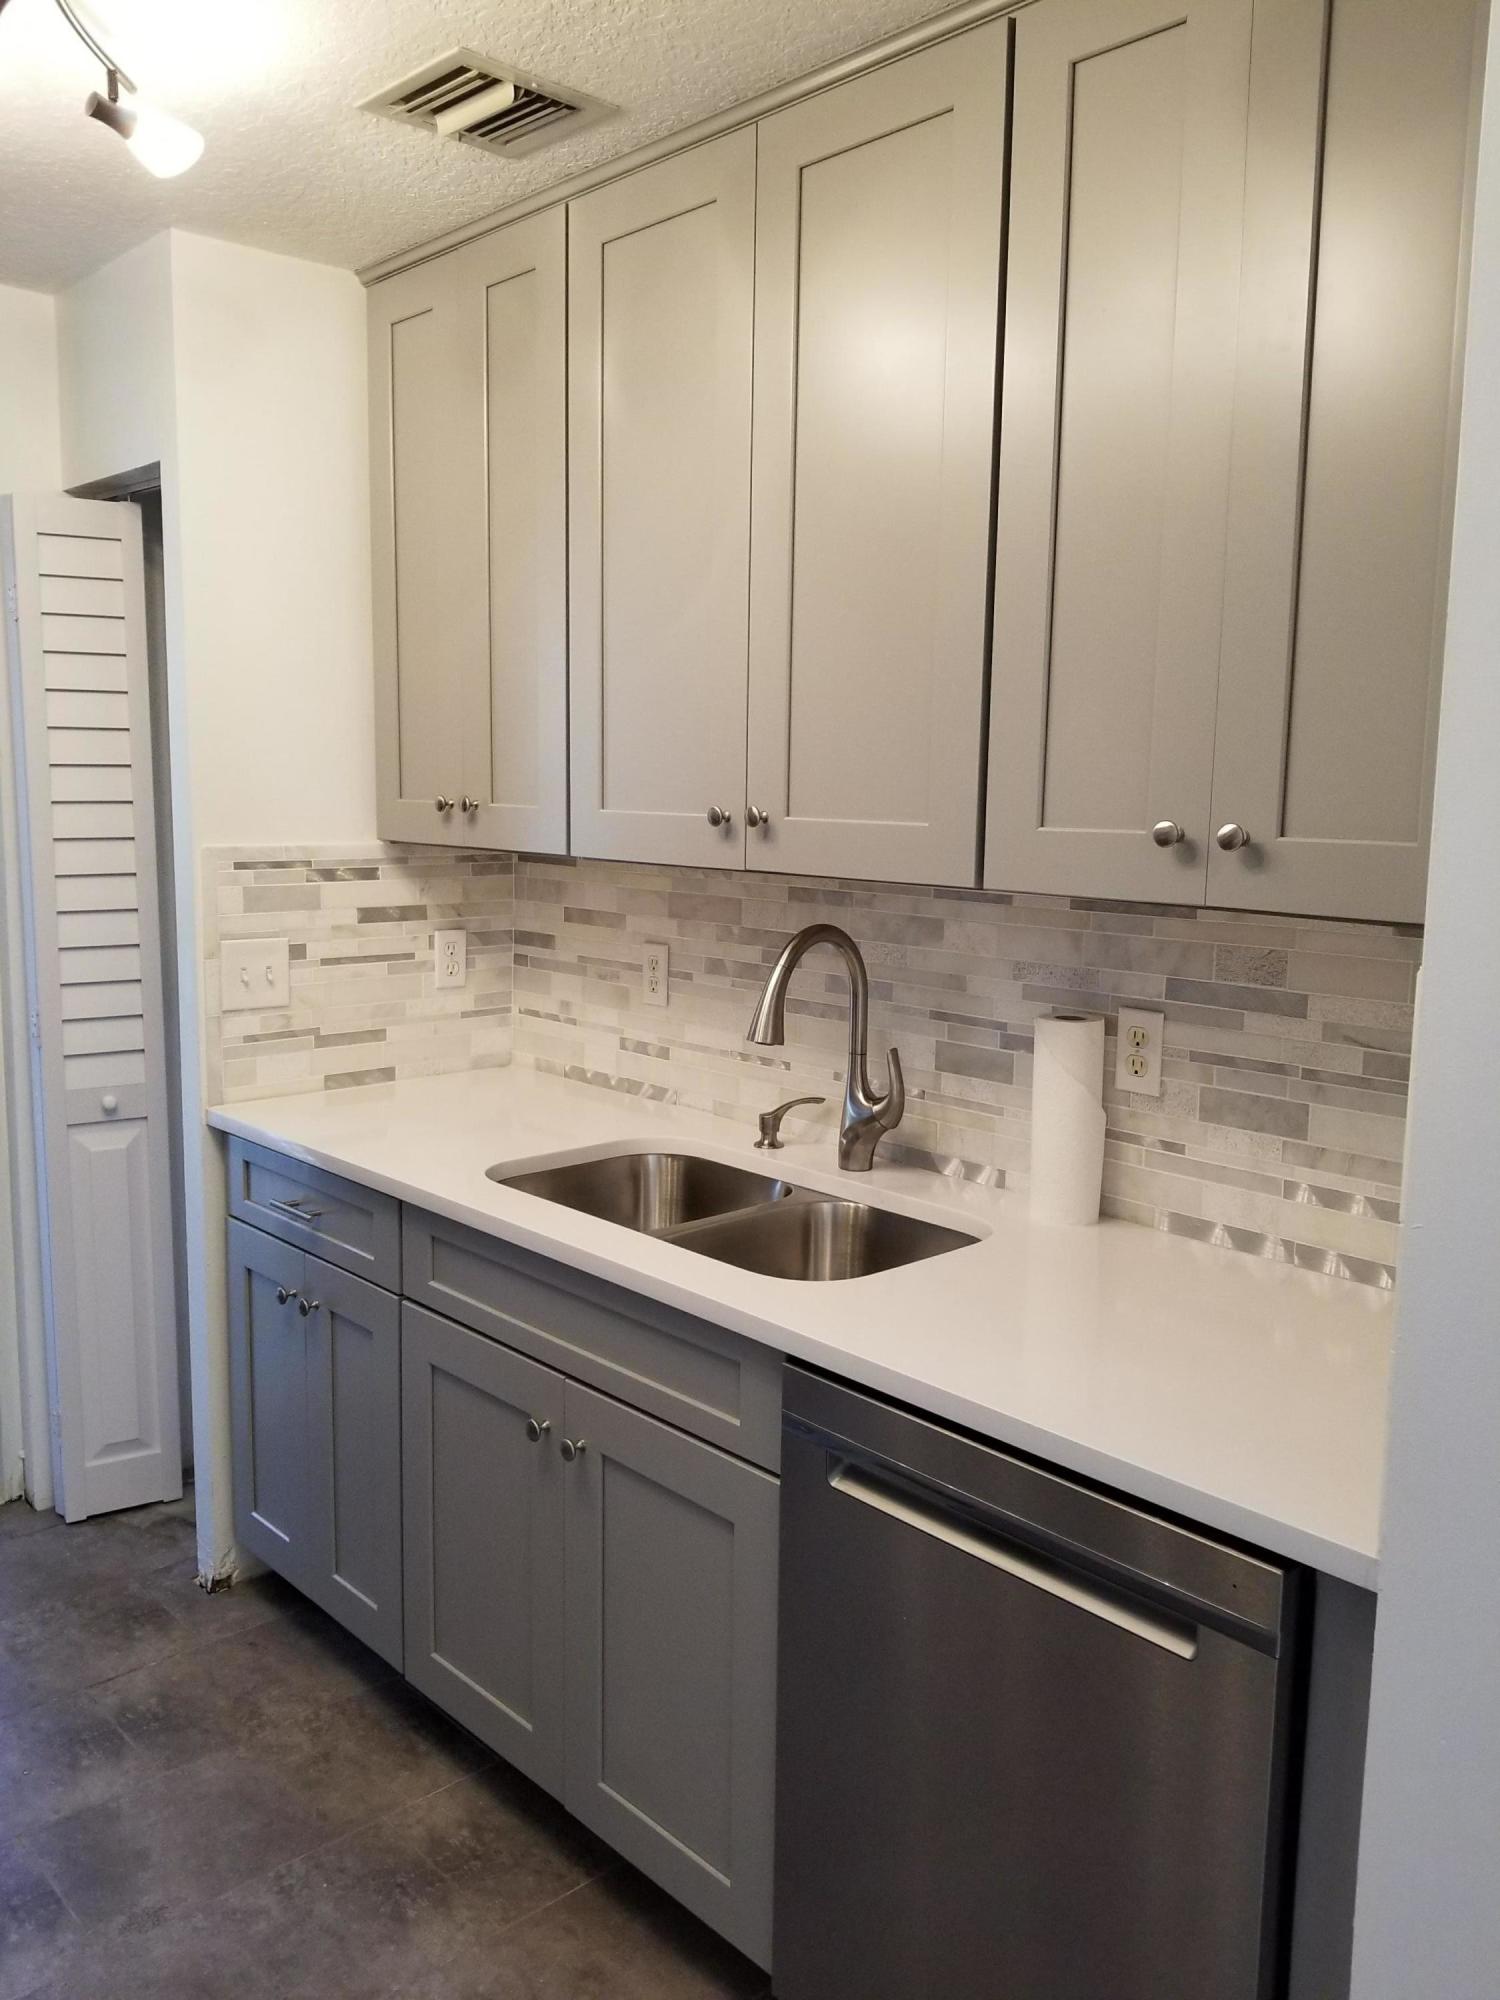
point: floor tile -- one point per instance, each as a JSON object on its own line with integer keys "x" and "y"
{"x": 60, "y": 1756}
{"x": 36, "y": 1927}
{"x": 17, "y": 1519}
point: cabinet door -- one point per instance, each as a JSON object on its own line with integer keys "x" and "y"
{"x": 354, "y": 1452}
{"x": 672, "y": 1660}
{"x": 274, "y": 1511}
{"x": 878, "y": 227}
{"x": 1344, "y": 454}
{"x": 512, "y": 291}
{"x": 1127, "y": 168}
{"x": 426, "y": 553}
{"x": 659, "y": 332}
{"x": 483, "y": 1540}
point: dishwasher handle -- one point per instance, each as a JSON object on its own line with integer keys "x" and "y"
{"x": 858, "y": 1483}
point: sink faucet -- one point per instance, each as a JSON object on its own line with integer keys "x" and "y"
{"x": 866, "y": 1118}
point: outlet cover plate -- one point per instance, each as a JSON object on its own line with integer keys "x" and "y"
{"x": 656, "y": 975}
{"x": 255, "y": 975}
{"x": 450, "y": 960}
{"x": 1138, "y": 1051}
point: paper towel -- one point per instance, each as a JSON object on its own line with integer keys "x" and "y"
{"x": 1067, "y": 1118}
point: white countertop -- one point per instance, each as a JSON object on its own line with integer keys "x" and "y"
{"x": 1246, "y": 1395}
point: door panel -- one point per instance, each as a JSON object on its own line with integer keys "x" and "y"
{"x": 671, "y": 1660}
{"x": 483, "y": 1541}
{"x": 878, "y": 227}
{"x": 1126, "y": 195}
{"x": 268, "y": 1340}
{"x": 354, "y": 1435}
{"x": 512, "y": 293}
{"x": 1344, "y": 454}
{"x": 659, "y": 310}
{"x": 77, "y": 652}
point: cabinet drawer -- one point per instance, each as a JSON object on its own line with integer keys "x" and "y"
{"x": 337, "y": 1219}
{"x": 699, "y": 1377}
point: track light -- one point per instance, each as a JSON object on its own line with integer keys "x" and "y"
{"x": 163, "y": 144}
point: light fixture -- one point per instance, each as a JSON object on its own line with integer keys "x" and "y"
{"x": 163, "y": 144}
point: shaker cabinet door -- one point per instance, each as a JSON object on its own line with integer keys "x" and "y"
{"x": 878, "y": 232}
{"x": 274, "y": 1491}
{"x": 661, "y": 268}
{"x": 483, "y": 1538}
{"x": 1344, "y": 454}
{"x": 672, "y": 1564}
{"x": 1127, "y": 171}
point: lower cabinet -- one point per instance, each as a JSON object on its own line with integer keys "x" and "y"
{"x": 315, "y": 1384}
{"x": 593, "y": 1593}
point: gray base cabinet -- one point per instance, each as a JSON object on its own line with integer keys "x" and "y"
{"x": 315, "y": 1380}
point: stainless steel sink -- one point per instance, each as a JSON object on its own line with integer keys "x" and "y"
{"x": 652, "y": 1192}
{"x": 817, "y": 1239}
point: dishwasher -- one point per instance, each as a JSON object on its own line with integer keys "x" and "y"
{"x": 1033, "y": 1740}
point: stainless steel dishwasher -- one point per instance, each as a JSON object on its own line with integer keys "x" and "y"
{"x": 1033, "y": 1740}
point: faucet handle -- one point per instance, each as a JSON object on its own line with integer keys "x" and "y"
{"x": 770, "y": 1122}
{"x": 892, "y": 1107}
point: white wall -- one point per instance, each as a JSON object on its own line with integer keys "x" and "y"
{"x": 243, "y": 374}
{"x": 1428, "y": 1917}
{"x": 29, "y": 462}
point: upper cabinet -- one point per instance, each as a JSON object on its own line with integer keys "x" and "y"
{"x": 879, "y": 211}
{"x": 659, "y": 314}
{"x": 1225, "y": 449}
{"x": 469, "y": 509}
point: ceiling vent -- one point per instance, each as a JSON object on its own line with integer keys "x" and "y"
{"x": 486, "y": 103}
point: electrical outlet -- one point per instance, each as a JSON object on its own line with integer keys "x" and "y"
{"x": 450, "y": 959}
{"x": 1138, "y": 1052}
{"x": 255, "y": 974}
{"x": 656, "y": 972}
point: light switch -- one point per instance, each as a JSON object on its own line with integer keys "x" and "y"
{"x": 256, "y": 975}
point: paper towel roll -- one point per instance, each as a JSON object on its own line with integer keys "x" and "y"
{"x": 1067, "y": 1118}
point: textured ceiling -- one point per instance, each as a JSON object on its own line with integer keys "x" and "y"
{"x": 290, "y": 164}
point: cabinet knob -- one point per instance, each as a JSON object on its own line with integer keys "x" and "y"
{"x": 717, "y": 816}
{"x": 537, "y": 1428}
{"x": 1167, "y": 833}
{"x": 468, "y": 805}
{"x": 109, "y": 1104}
{"x": 285, "y": 1294}
{"x": 757, "y": 816}
{"x": 307, "y": 1307}
{"x": 572, "y": 1448}
{"x": 443, "y": 803}
{"x": 1232, "y": 836}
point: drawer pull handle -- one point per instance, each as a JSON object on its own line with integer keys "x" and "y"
{"x": 307, "y": 1307}
{"x": 537, "y": 1428}
{"x": 573, "y": 1448}
{"x": 293, "y": 1208}
{"x": 285, "y": 1294}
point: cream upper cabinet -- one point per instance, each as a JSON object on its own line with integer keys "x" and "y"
{"x": 879, "y": 210}
{"x": 1343, "y": 458}
{"x": 468, "y": 427}
{"x": 661, "y": 268}
{"x": 1127, "y": 172}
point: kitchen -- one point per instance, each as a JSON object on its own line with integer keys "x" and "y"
{"x": 718, "y": 867}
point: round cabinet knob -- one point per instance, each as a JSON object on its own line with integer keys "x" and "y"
{"x": 307, "y": 1307}
{"x": 285, "y": 1294}
{"x": 757, "y": 816}
{"x": 443, "y": 803}
{"x": 1167, "y": 833}
{"x": 537, "y": 1428}
{"x": 717, "y": 816}
{"x": 1232, "y": 837}
{"x": 468, "y": 805}
{"x": 109, "y": 1104}
{"x": 573, "y": 1448}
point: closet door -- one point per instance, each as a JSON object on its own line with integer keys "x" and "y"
{"x": 659, "y": 331}
{"x": 427, "y": 553}
{"x": 1127, "y": 169}
{"x": 76, "y": 640}
{"x": 1344, "y": 455}
{"x": 878, "y": 228}
{"x": 512, "y": 327}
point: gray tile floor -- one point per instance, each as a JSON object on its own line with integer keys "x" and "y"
{"x": 214, "y": 1796}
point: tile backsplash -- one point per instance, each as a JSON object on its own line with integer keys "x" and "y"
{"x": 364, "y": 1005}
{"x": 1279, "y": 1130}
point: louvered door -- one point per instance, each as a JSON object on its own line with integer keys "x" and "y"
{"x": 76, "y": 625}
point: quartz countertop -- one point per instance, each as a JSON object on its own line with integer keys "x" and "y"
{"x": 1246, "y": 1395}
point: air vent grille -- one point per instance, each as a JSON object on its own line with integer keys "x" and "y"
{"x": 484, "y": 102}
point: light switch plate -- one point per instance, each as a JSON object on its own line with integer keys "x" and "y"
{"x": 1138, "y": 1052}
{"x": 656, "y": 974}
{"x": 255, "y": 973}
{"x": 450, "y": 959}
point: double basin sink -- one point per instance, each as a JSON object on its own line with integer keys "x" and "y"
{"x": 754, "y": 1221}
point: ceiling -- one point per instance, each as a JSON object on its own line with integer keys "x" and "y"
{"x": 291, "y": 165}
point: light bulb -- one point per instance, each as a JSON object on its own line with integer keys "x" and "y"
{"x": 163, "y": 144}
